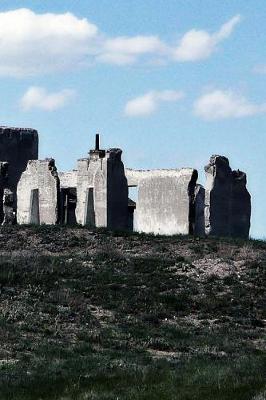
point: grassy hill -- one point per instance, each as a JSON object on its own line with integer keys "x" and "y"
{"x": 98, "y": 315}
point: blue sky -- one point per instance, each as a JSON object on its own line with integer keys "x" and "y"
{"x": 171, "y": 82}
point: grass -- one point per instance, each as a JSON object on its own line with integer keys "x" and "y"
{"x": 93, "y": 315}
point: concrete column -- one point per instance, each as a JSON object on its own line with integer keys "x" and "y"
{"x": 227, "y": 201}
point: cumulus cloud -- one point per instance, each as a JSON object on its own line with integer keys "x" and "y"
{"x": 219, "y": 104}
{"x": 38, "y": 98}
{"x": 198, "y": 44}
{"x": 148, "y": 103}
{"x": 126, "y": 50}
{"x": 32, "y": 43}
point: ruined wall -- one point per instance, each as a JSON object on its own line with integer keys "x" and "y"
{"x": 241, "y": 206}
{"x": 102, "y": 192}
{"x": 17, "y": 147}
{"x": 227, "y": 201}
{"x": 117, "y": 191}
{"x": 85, "y": 210}
{"x": 37, "y": 193}
{"x": 96, "y": 194}
{"x": 217, "y": 196}
{"x": 164, "y": 201}
{"x": 68, "y": 179}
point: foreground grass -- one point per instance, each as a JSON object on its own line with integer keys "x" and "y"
{"x": 90, "y": 315}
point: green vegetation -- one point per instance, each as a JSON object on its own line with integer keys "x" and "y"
{"x": 98, "y": 315}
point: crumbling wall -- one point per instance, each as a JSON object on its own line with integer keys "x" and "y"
{"x": 135, "y": 176}
{"x": 241, "y": 206}
{"x": 85, "y": 191}
{"x": 68, "y": 179}
{"x": 38, "y": 193}
{"x": 164, "y": 201}
{"x": 117, "y": 191}
{"x": 217, "y": 196}
{"x": 17, "y": 147}
{"x": 102, "y": 192}
{"x": 227, "y": 201}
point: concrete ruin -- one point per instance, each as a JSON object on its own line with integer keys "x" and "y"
{"x": 165, "y": 200}
{"x": 227, "y": 201}
{"x": 17, "y": 147}
{"x": 102, "y": 190}
{"x": 38, "y": 193}
{"x": 96, "y": 193}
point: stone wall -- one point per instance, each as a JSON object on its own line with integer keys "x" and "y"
{"x": 227, "y": 201}
{"x": 38, "y": 193}
{"x": 102, "y": 192}
{"x": 241, "y": 206}
{"x": 164, "y": 201}
{"x": 96, "y": 194}
{"x": 68, "y": 179}
{"x": 17, "y": 147}
{"x": 117, "y": 191}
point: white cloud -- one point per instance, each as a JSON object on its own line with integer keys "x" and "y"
{"x": 38, "y": 98}
{"x": 38, "y": 43}
{"x": 148, "y": 103}
{"x": 198, "y": 44}
{"x": 32, "y": 43}
{"x": 220, "y": 104}
{"x": 126, "y": 50}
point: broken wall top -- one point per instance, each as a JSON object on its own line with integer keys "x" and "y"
{"x": 134, "y": 176}
{"x": 219, "y": 167}
{"x": 18, "y": 132}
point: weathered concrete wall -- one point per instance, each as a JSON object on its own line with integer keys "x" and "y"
{"x": 17, "y": 147}
{"x": 164, "y": 201}
{"x": 217, "y": 196}
{"x": 102, "y": 192}
{"x": 241, "y": 206}
{"x": 227, "y": 201}
{"x": 135, "y": 176}
{"x": 37, "y": 193}
{"x": 85, "y": 191}
{"x": 117, "y": 191}
{"x": 68, "y": 179}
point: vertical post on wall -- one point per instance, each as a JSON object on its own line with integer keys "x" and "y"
{"x": 97, "y": 141}
{"x": 66, "y": 208}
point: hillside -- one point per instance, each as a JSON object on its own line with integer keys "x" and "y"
{"x": 98, "y": 315}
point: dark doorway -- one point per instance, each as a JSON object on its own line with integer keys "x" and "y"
{"x": 90, "y": 214}
{"x": 68, "y": 197}
{"x": 34, "y": 207}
